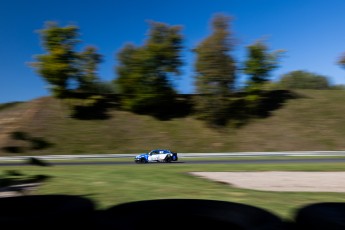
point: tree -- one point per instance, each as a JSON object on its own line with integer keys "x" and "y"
{"x": 341, "y": 61}
{"x": 62, "y": 66}
{"x": 129, "y": 73}
{"x": 260, "y": 62}
{"x": 72, "y": 75}
{"x": 300, "y": 79}
{"x": 215, "y": 72}
{"x": 58, "y": 66}
{"x": 89, "y": 60}
{"x": 144, "y": 72}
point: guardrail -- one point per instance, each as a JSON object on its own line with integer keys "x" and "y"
{"x": 183, "y": 155}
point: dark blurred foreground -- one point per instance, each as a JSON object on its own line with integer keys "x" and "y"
{"x": 67, "y": 212}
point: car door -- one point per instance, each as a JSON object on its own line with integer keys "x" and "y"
{"x": 153, "y": 156}
{"x": 161, "y": 155}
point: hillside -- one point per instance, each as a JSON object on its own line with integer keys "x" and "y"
{"x": 313, "y": 121}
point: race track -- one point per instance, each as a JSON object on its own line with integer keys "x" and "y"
{"x": 190, "y": 161}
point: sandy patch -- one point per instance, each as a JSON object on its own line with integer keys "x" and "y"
{"x": 281, "y": 181}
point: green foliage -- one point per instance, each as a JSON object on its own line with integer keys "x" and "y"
{"x": 341, "y": 61}
{"x": 338, "y": 87}
{"x": 143, "y": 72}
{"x": 58, "y": 66}
{"x": 89, "y": 60}
{"x": 213, "y": 109}
{"x": 163, "y": 48}
{"x": 104, "y": 87}
{"x": 215, "y": 69}
{"x": 72, "y": 75}
{"x": 260, "y": 62}
{"x": 253, "y": 98}
{"x": 87, "y": 102}
{"x": 128, "y": 66}
{"x": 62, "y": 65}
{"x": 300, "y": 79}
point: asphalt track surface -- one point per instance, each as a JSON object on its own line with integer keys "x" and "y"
{"x": 190, "y": 161}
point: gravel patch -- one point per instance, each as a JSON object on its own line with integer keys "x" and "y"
{"x": 280, "y": 181}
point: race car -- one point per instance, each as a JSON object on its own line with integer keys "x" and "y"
{"x": 157, "y": 155}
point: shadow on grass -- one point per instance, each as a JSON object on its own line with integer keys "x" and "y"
{"x": 95, "y": 112}
{"x": 15, "y": 178}
{"x": 16, "y": 182}
{"x": 13, "y": 149}
{"x": 166, "y": 107}
{"x": 33, "y": 143}
{"x": 273, "y": 100}
{"x": 97, "y": 109}
{"x": 242, "y": 111}
{"x": 239, "y": 112}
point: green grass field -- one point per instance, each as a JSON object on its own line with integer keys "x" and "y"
{"x": 108, "y": 185}
{"x": 312, "y": 121}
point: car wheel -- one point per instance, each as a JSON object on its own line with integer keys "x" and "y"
{"x": 168, "y": 159}
{"x": 142, "y": 160}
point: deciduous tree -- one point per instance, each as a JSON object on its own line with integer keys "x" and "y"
{"x": 144, "y": 72}
{"x": 58, "y": 65}
{"x": 215, "y": 72}
{"x": 71, "y": 75}
{"x": 260, "y": 62}
{"x": 300, "y": 79}
{"x": 341, "y": 61}
{"x": 88, "y": 78}
{"x": 62, "y": 66}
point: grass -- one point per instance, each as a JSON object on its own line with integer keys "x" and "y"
{"x": 4, "y": 106}
{"x": 314, "y": 121}
{"x": 108, "y": 185}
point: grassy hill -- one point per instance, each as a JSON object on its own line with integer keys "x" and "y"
{"x": 313, "y": 121}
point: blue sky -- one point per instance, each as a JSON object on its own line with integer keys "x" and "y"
{"x": 311, "y": 31}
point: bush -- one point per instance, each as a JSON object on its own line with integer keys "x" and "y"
{"x": 303, "y": 80}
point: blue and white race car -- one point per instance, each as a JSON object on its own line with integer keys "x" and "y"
{"x": 157, "y": 155}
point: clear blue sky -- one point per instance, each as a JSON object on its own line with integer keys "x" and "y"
{"x": 311, "y": 31}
